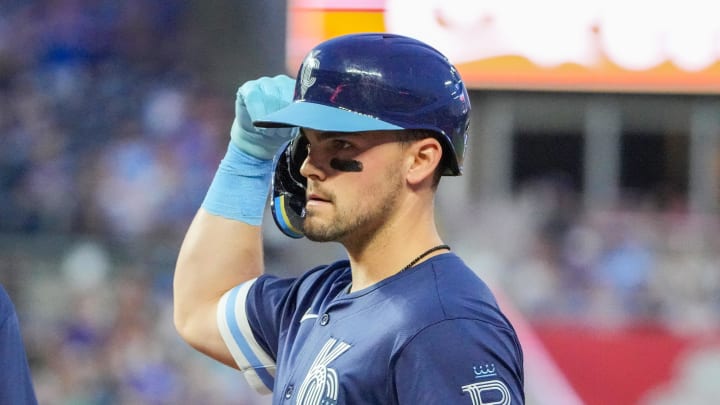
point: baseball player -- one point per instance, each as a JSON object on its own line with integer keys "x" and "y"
{"x": 15, "y": 383}
{"x": 353, "y": 151}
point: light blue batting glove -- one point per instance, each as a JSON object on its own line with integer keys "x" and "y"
{"x": 256, "y": 99}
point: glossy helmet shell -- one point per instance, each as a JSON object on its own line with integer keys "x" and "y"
{"x": 365, "y": 82}
{"x": 377, "y": 81}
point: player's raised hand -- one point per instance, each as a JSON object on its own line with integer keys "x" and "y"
{"x": 255, "y": 99}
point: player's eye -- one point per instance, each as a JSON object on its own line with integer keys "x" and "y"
{"x": 340, "y": 144}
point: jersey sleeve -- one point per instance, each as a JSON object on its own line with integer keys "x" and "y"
{"x": 249, "y": 318}
{"x": 460, "y": 361}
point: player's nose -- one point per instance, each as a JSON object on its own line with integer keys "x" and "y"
{"x": 312, "y": 167}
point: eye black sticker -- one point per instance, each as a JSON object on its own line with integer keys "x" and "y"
{"x": 346, "y": 165}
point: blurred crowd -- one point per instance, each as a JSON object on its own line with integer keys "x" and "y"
{"x": 107, "y": 132}
{"x": 633, "y": 265}
{"x": 105, "y": 128}
{"x": 98, "y": 329}
{"x": 110, "y": 139}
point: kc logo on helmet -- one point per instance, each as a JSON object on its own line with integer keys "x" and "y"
{"x": 306, "y": 78}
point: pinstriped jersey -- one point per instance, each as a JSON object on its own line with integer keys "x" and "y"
{"x": 432, "y": 334}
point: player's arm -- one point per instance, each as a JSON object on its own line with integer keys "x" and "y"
{"x": 223, "y": 245}
{"x": 217, "y": 254}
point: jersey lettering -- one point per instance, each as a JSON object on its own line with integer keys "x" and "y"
{"x": 321, "y": 383}
{"x": 493, "y": 392}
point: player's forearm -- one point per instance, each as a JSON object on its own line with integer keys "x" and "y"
{"x": 216, "y": 255}
{"x": 223, "y": 246}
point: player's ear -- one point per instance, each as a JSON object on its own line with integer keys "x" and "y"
{"x": 423, "y": 158}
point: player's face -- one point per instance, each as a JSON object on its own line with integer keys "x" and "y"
{"x": 354, "y": 180}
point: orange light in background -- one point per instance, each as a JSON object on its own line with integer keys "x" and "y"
{"x": 531, "y": 45}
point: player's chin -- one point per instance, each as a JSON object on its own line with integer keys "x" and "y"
{"x": 319, "y": 211}
{"x": 319, "y": 236}
{"x": 318, "y": 230}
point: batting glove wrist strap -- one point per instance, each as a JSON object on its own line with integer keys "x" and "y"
{"x": 240, "y": 188}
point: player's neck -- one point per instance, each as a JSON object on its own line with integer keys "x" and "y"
{"x": 392, "y": 249}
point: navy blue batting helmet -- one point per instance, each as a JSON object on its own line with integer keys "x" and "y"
{"x": 368, "y": 82}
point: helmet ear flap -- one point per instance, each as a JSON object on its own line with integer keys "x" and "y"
{"x": 288, "y": 188}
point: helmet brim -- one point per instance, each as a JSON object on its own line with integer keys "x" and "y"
{"x": 321, "y": 117}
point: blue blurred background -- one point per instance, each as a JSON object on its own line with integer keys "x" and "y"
{"x": 114, "y": 115}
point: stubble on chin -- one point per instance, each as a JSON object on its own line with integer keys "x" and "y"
{"x": 353, "y": 227}
{"x": 317, "y": 231}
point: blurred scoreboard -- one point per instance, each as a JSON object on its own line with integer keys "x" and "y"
{"x": 668, "y": 46}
